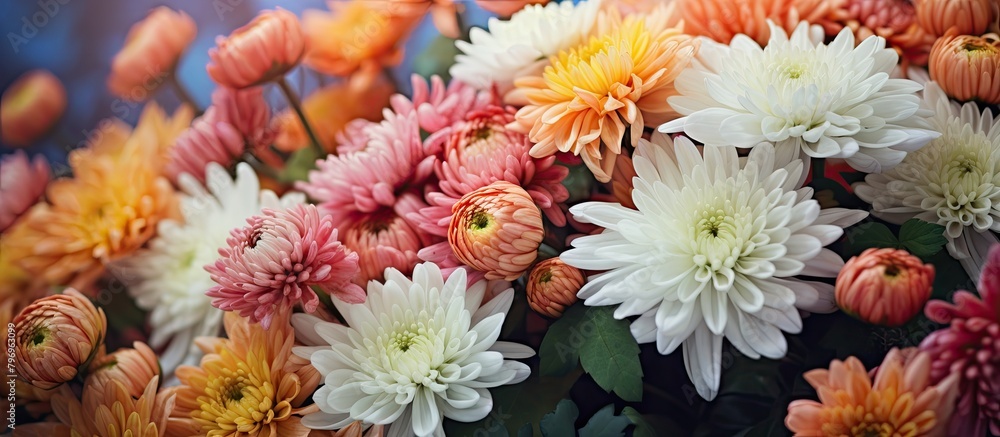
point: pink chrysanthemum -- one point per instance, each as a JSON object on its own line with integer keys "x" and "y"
{"x": 247, "y": 111}
{"x": 22, "y": 183}
{"x": 385, "y": 238}
{"x": 393, "y": 162}
{"x": 970, "y": 347}
{"x": 204, "y": 142}
{"x": 270, "y": 265}
{"x": 478, "y": 151}
{"x": 437, "y": 106}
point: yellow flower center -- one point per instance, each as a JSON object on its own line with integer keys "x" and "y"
{"x": 480, "y": 221}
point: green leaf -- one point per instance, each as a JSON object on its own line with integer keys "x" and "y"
{"x": 610, "y": 354}
{"x": 921, "y": 238}
{"x": 866, "y": 236}
{"x": 580, "y": 183}
{"x": 642, "y": 427}
{"x": 562, "y": 421}
{"x": 298, "y": 165}
{"x": 560, "y": 349}
{"x": 605, "y": 423}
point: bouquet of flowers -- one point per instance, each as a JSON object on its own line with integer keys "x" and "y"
{"x": 594, "y": 218}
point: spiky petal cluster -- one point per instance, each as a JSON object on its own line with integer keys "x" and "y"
{"x": 805, "y": 97}
{"x": 270, "y": 265}
{"x": 969, "y": 347}
{"x": 712, "y": 251}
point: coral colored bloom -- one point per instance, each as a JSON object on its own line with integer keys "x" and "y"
{"x": 967, "y": 67}
{"x": 497, "y": 230}
{"x": 593, "y": 95}
{"x": 134, "y": 368}
{"x": 902, "y": 400}
{"x": 152, "y": 48}
{"x": 247, "y": 111}
{"x": 357, "y": 36}
{"x": 259, "y": 52}
{"x": 970, "y": 348}
{"x": 385, "y": 238}
{"x": 884, "y": 286}
{"x": 22, "y": 183}
{"x": 206, "y": 141}
{"x": 967, "y": 17}
{"x": 30, "y": 107}
{"x": 329, "y": 116}
{"x": 436, "y": 357}
{"x": 109, "y": 209}
{"x": 248, "y": 384}
{"x": 112, "y": 411}
{"x": 721, "y": 20}
{"x": 271, "y": 264}
{"x": 54, "y": 336}
{"x": 894, "y": 20}
{"x": 506, "y": 8}
{"x": 552, "y": 286}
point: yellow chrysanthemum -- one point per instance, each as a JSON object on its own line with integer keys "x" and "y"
{"x": 248, "y": 385}
{"x": 108, "y": 209}
{"x": 618, "y": 82}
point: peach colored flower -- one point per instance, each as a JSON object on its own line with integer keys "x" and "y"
{"x": 970, "y": 347}
{"x": 900, "y": 401}
{"x": 356, "y": 429}
{"x": 30, "y": 107}
{"x": 56, "y": 335}
{"x": 384, "y": 239}
{"x": 357, "y": 36}
{"x": 329, "y": 116}
{"x": 894, "y": 20}
{"x": 884, "y": 286}
{"x": 22, "y": 183}
{"x": 968, "y": 17}
{"x": 247, "y": 384}
{"x": 552, "y": 286}
{"x": 721, "y": 20}
{"x": 133, "y": 368}
{"x": 443, "y": 13}
{"x": 497, "y": 230}
{"x": 247, "y": 111}
{"x": 110, "y": 208}
{"x": 592, "y": 96}
{"x": 506, "y": 8}
{"x": 204, "y": 142}
{"x": 967, "y": 67}
{"x": 271, "y": 264}
{"x": 259, "y": 52}
{"x": 111, "y": 411}
{"x": 152, "y": 48}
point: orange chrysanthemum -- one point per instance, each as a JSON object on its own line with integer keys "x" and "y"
{"x": 249, "y": 384}
{"x": 358, "y": 36}
{"x": 110, "y": 411}
{"x": 967, "y": 67}
{"x": 721, "y": 20}
{"x": 592, "y": 96}
{"x": 110, "y": 208}
{"x": 900, "y": 401}
{"x": 968, "y": 17}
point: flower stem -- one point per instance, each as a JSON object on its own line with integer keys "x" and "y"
{"x": 183, "y": 93}
{"x": 293, "y": 101}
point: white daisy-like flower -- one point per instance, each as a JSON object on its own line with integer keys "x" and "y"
{"x": 954, "y": 181}
{"x": 168, "y": 278}
{"x": 521, "y": 45}
{"x": 805, "y": 97}
{"x": 415, "y": 352}
{"x": 711, "y": 252}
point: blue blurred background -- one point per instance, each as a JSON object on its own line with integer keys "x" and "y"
{"x": 77, "y": 41}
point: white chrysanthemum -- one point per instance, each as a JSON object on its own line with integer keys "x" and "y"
{"x": 954, "y": 181}
{"x": 521, "y": 45}
{"x": 169, "y": 279}
{"x": 806, "y": 98}
{"x": 712, "y": 251}
{"x": 413, "y": 353}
